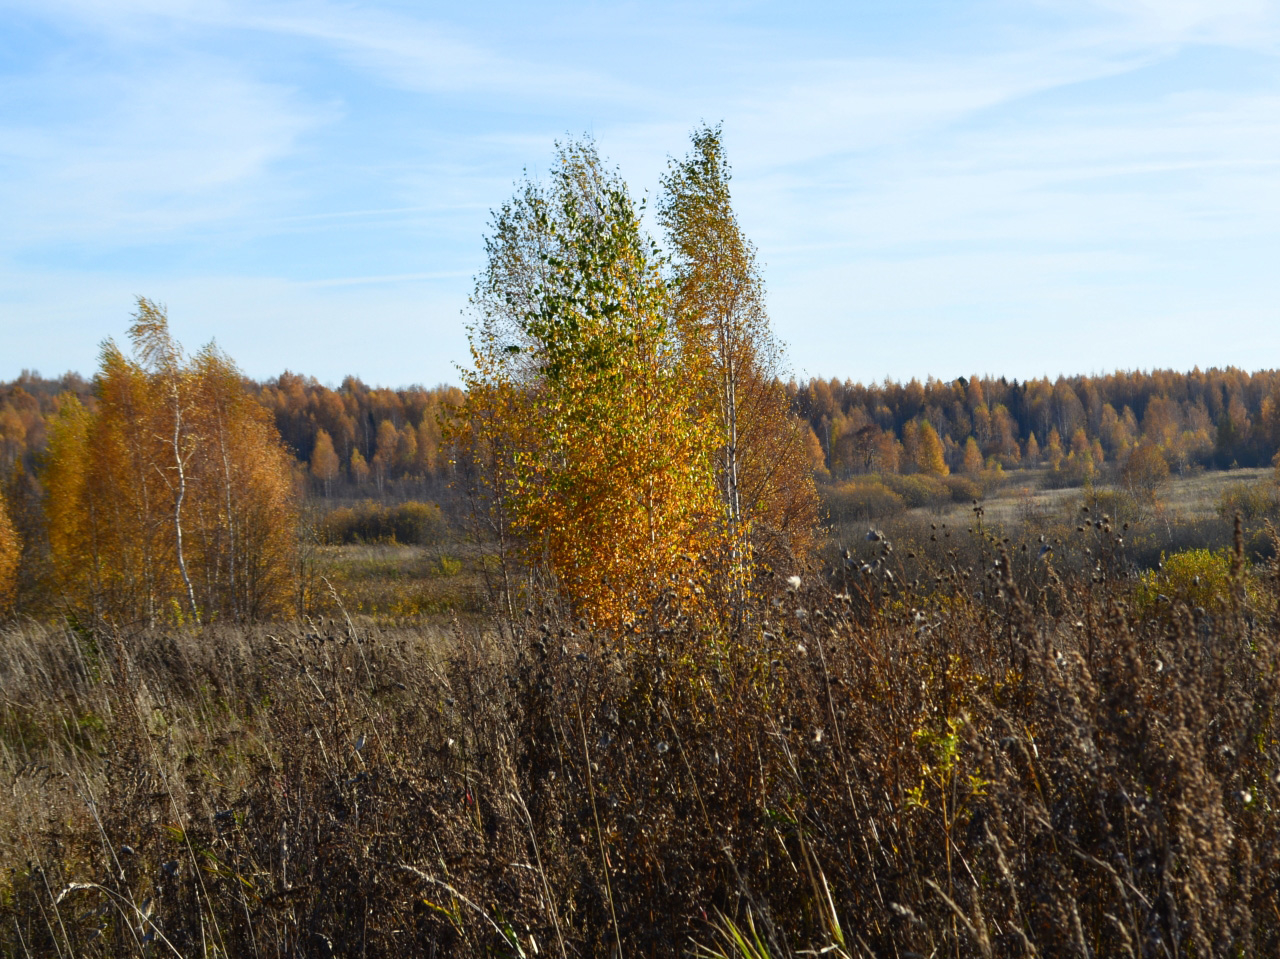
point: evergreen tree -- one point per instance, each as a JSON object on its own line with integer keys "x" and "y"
{"x": 929, "y": 457}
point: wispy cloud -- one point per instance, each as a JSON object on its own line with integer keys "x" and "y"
{"x": 130, "y": 158}
{"x": 1248, "y": 23}
{"x": 1036, "y": 161}
{"x": 417, "y": 53}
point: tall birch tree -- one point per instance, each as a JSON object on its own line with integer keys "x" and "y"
{"x": 172, "y": 498}
{"x": 590, "y": 444}
{"x": 764, "y": 470}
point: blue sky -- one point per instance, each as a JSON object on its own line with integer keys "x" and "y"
{"x": 935, "y": 188}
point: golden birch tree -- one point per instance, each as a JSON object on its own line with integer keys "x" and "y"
{"x": 172, "y": 499}
{"x": 763, "y": 461}
{"x": 579, "y": 416}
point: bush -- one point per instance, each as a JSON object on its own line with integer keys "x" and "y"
{"x": 920, "y": 490}
{"x": 1252, "y": 501}
{"x": 1116, "y": 503}
{"x": 862, "y": 500}
{"x": 963, "y": 489}
{"x": 1196, "y": 577}
{"x": 411, "y": 523}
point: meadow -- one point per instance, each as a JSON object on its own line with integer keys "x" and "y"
{"x": 952, "y": 743}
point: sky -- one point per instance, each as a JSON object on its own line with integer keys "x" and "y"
{"x": 948, "y": 188}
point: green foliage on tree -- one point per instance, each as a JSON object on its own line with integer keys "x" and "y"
{"x": 579, "y": 418}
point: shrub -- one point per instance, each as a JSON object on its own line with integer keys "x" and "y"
{"x": 1252, "y": 501}
{"x": 1116, "y": 503}
{"x": 920, "y": 490}
{"x": 963, "y": 489}
{"x": 411, "y": 523}
{"x": 1197, "y": 577}
{"x": 862, "y": 499}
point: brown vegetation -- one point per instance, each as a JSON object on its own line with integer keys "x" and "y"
{"x": 10, "y": 554}
{"x": 1002, "y": 760}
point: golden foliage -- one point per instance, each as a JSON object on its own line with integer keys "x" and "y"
{"x": 10, "y": 553}
{"x": 764, "y": 460}
{"x": 929, "y": 456}
{"x": 173, "y": 499}
{"x": 579, "y": 416}
{"x": 324, "y": 459}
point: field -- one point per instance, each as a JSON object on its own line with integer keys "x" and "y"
{"x": 956, "y": 747}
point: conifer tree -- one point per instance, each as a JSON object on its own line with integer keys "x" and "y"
{"x": 384, "y": 456}
{"x": 1033, "y": 449}
{"x": 929, "y": 456}
{"x": 359, "y": 467}
{"x": 972, "y": 457}
{"x": 324, "y": 460}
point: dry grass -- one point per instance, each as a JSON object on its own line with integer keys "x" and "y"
{"x": 999, "y": 760}
{"x": 390, "y": 583}
{"x": 1193, "y": 497}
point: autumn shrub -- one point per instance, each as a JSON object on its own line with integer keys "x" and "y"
{"x": 410, "y": 523}
{"x": 1251, "y": 501}
{"x": 1076, "y": 469}
{"x": 1116, "y": 503}
{"x": 1197, "y": 578}
{"x": 861, "y": 500}
{"x": 964, "y": 489}
{"x": 919, "y": 489}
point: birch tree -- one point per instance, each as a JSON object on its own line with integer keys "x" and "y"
{"x": 172, "y": 499}
{"x": 765, "y": 476}
{"x": 590, "y": 444}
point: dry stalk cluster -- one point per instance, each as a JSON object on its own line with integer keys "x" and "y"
{"x": 987, "y": 763}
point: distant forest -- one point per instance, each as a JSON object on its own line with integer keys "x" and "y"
{"x": 357, "y": 440}
{"x": 1213, "y": 418}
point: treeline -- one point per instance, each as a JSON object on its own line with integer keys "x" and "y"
{"x": 356, "y": 436}
{"x": 1214, "y": 418}
{"x": 355, "y": 439}
{"x": 352, "y": 440}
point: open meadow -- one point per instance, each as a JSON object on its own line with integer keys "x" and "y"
{"x": 947, "y": 747}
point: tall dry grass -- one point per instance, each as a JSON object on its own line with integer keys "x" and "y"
{"x": 971, "y": 753}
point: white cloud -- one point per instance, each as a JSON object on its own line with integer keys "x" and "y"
{"x": 416, "y": 53}
{"x": 1244, "y": 23}
{"x": 127, "y": 158}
